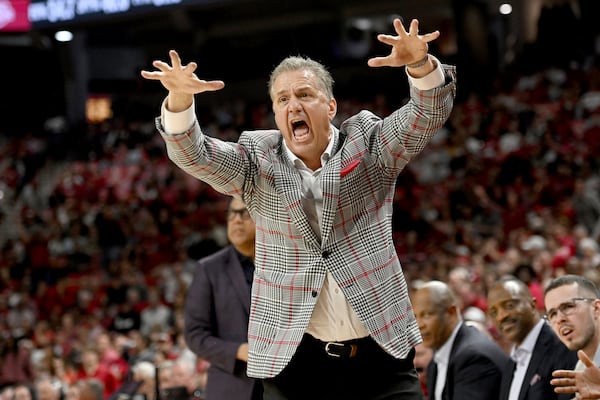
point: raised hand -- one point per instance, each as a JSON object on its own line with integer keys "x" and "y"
{"x": 585, "y": 384}
{"x": 180, "y": 80}
{"x": 407, "y": 48}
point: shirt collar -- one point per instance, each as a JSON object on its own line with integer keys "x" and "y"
{"x": 526, "y": 347}
{"x": 442, "y": 355}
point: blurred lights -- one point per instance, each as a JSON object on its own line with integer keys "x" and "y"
{"x": 63, "y": 36}
{"x": 505, "y": 9}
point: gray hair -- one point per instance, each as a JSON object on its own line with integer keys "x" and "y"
{"x": 297, "y": 63}
{"x": 440, "y": 293}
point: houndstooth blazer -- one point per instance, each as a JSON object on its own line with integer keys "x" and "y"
{"x": 356, "y": 246}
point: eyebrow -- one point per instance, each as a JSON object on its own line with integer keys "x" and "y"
{"x": 296, "y": 89}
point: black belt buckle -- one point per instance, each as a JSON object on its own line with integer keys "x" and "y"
{"x": 339, "y": 350}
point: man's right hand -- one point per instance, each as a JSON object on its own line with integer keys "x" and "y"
{"x": 181, "y": 82}
{"x": 242, "y": 353}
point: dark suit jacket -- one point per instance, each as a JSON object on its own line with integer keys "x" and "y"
{"x": 216, "y": 323}
{"x": 549, "y": 354}
{"x": 474, "y": 368}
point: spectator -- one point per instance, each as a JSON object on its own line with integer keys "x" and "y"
{"x": 461, "y": 281}
{"x": 535, "y": 351}
{"x": 165, "y": 346}
{"x": 127, "y": 318}
{"x": 145, "y": 373}
{"x": 15, "y": 360}
{"x": 179, "y": 381}
{"x": 111, "y": 236}
{"x": 24, "y": 391}
{"x": 155, "y": 315}
{"x": 111, "y": 358}
{"x": 466, "y": 363}
{"x": 217, "y": 310}
{"x": 141, "y": 385}
{"x": 49, "y": 389}
{"x": 91, "y": 389}
{"x": 7, "y": 393}
{"x": 187, "y": 375}
{"x": 92, "y": 368}
{"x": 573, "y": 310}
{"x": 586, "y": 205}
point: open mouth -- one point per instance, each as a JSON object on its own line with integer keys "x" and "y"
{"x": 566, "y": 331}
{"x": 300, "y": 129}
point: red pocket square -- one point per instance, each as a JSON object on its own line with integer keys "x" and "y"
{"x": 349, "y": 168}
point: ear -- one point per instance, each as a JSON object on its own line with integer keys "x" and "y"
{"x": 453, "y": 310}
{"x": 596, "y": 304}
{"x": 332, "y": 109}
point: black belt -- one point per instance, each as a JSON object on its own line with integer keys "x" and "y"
{"x": 343, "y": 349}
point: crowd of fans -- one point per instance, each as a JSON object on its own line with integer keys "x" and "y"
{"x": 100, "y": 232}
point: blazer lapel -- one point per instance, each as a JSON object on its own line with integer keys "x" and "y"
{"x": 330, "y": 186}
{"x": 537, "y": 357}
{"x": 235, "y": 273}
{"x": 430, "y": 377}
{"x": 288, "y": 184}
{"x": 507, "y": 377}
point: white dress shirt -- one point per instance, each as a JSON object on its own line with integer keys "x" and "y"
{"x": 581, "y": 366}
{"x": 442, "y": 358}
{"x": 521, "y": 355}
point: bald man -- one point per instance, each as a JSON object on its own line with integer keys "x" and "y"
{"x": 535, "y": 351}
{"x": 466, "y": 363}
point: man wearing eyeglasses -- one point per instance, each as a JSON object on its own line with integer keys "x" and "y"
{"x": 217, "y": 310}
{"x": 573, "y": 310}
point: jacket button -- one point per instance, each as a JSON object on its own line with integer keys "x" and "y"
{"x": 325, "y": 254}
{"x": 314, "y": 293}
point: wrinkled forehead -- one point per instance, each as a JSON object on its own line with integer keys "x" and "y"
{"x": 292, "y": 80}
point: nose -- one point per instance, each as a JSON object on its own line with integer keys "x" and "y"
{"x": 560, "y": 317}
{"x": 501, "y": 314}
{"x": 294, "y": 105}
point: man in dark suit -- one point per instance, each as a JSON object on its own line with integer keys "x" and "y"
{"x": 466, "y": 363}
{"x": 536, "y": 351}
{"x": 217, "y": 310}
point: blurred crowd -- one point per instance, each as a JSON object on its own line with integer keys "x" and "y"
{"x": 100, "y": 232}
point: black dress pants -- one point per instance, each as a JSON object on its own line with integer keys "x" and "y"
{"x": 353, "y": 370}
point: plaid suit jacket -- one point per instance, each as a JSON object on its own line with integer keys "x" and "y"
{"x": 356, "y": 246}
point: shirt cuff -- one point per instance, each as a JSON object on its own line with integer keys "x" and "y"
{"x": 176, "y": 122}
{"x": 430, "y": 81}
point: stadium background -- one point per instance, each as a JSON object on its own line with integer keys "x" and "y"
{"x": 240, "y": 40}
{"x": 94, "y": 217}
